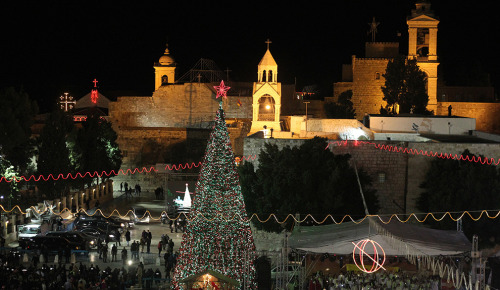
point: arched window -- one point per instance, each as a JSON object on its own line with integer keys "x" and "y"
{"x": 270, "y": 76}
{"x": 264, "y": 76}
{"x": 164, "y": 80}
{"x": 266, "y": 108}
{"x": 377, "y": 75}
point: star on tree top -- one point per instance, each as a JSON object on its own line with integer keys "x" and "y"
{"x": 221, "y": 90}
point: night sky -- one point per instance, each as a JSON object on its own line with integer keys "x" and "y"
{"x": 64, "y": 45}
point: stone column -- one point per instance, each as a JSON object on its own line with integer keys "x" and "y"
{"x": 433, "y": 43}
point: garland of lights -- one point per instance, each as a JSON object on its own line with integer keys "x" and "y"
{"x": 390, "y": 148}
{"x": 175, "y": 167}
{"x": 273, "y": 217}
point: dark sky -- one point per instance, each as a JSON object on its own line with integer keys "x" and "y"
{"x": 50, "y": 47}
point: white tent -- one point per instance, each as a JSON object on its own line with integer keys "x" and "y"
{"x": 395, "y": 238}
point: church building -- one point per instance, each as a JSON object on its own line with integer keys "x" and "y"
{"x": 364, "y": 75}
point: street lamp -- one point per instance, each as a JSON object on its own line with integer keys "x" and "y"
{"x": 306, "y": 113}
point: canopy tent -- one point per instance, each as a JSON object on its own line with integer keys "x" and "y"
{"x": 396, "y": 238}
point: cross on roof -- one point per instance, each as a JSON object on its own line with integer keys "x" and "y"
{"x": 268, "y": 42}
{"x": 95, "y": 83}
{"x": 67, "y": 102}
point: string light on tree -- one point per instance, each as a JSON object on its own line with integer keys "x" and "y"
{"x": 218, "y": 242}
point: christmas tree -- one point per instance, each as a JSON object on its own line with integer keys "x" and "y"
{"x": 219, "y": 237}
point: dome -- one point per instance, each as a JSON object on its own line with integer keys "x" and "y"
{"x": 166, "y": 59}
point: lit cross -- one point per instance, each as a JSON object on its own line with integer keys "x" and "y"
{"x": 221, "y": 90}
{"x": 268, "y": 42}
{"x": 67, "y": 102}
{"x": 94, "y": 94}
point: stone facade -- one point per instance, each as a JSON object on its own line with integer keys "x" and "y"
{"x": 188, "y": 105}
{"x": 487, "y": 115}
{"x": 367, "y": 96}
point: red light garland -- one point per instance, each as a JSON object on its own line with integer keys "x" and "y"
{"x": 390, "y": 148}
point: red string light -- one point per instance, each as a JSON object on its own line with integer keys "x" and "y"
{"x": 107, "y": 173}
{"x": 392, "y": 148}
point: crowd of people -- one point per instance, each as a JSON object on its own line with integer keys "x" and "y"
{"x": 124, "y": 187}
{"x": 17, "y": 275}
{"x": 378, "y": 280}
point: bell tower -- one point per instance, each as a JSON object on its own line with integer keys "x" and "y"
{"x": 266, "y": 96}
{"x": 164, "y": 70}
{"x": 422, "y": 45}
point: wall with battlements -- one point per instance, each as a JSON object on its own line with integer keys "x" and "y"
{"x": 189, "y": 105}
{"x": 367, "y": 81}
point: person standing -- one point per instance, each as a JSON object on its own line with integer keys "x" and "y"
{"x": 124, "y": 255}
{"x": 121, "y": 187}
{"x": 171, "y": 246}
{"x": 160, "y": 247}
{"x": 127, "y": 237}
{"x": 142, "y": 243}
{"x": 114, "y": 252}
{"x": 105, "y": 253}
{"x": 118, "y": 238}
{"x": 148, "y": 241}
{"x": 140, "y": 271}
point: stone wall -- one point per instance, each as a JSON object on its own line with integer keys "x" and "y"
{"x": 487, "y": 114}
{"x": 189, "y": 105}
{"x": 418, "y": 164}
{"x": 374, "y": 161}
{"x": 389, "y": 170}
{"x": 367, "y": 95}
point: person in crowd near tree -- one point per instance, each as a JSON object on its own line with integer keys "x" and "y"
{"x": 127, "y": 237}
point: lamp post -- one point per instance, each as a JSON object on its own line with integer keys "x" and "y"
{"x": 306, "y": 113}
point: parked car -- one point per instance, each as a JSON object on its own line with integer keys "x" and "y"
{"x": 112, "y": 220}
{"x": 140, "y": 215}
{"x": 50, "y": 243}
{"x": 28, "y": 231}
{"x": 101, "y": 224}
{"x": 99, "y": 233}
{"x": 78, "y": 237}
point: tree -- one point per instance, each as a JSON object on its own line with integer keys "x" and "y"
{"x": 218, "y": 238}
{"x": 452, "y": 185}
{"x": 54, "y": 154}
{"x": 306, "y": 180}
{"x": 405, "y": 86}
{"x": 97, "y": 148}
{"x": 343, "y": 109}
{"x": 17, "y": 113}
{"x": 7, "y": 189}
